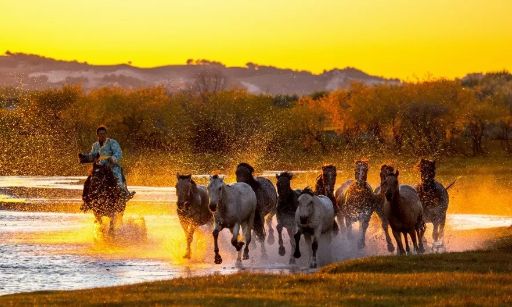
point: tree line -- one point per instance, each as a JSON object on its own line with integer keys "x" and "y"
{"x": 41, "y": 131}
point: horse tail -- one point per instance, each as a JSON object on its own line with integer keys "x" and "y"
{"x": 451, "y": 184}
{"x": 258, "y": 225}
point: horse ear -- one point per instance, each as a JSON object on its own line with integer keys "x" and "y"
{"x": 396, "y": 173}
{"x": 177, "y": 175}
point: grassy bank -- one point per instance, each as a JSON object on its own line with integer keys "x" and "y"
{"x": 479, "y": 277}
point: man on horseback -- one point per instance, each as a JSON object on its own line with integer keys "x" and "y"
{"x": 111, "y": 150}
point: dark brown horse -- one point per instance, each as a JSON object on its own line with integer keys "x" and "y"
{"x": 287, "y": 203}
{"x": 404, "y": 212}
{"x": 266, "y": 196}
{"x": 434, "y": 198}
{"x": 192, "y": 207}
{"x": 101, "y": 194}
{"x": 325, "y": 183}
{"x": 379, "y": 204}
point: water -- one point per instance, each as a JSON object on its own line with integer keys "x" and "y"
{"x": 60, "y": 250}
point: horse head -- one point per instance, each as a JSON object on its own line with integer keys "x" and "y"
{"x": 384, "y": 171}
{"x": 215, "y": 190}
{"x": 184, "y": 192}
{"x": 284, "y": 183}
{"x": 329, "y": 178}
{"x": 390, "y": 187}
{"x": 306, "y": 206}
{"x": 361, "y": 171}
{"x": 244, "y": 173}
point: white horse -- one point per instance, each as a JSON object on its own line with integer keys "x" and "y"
{"x": 314, "y": 217}
{"x": 233, "y": 206}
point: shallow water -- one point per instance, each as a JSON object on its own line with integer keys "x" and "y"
{"x": 50, "y": 250}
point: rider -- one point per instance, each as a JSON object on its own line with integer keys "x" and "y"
{"x": 110, "y": 148}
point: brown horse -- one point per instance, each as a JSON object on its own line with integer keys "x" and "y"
{"x": 379, "y": 204}
{"x": 356, "y": 202}
{"x": 404, "y": 212}
{"x": 434, "y": 198}
{"x": 192, "y": 207}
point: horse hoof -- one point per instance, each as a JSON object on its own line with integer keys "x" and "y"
{"x": 312, "y": 265}
{"x": 238, "y": 263}
{"x": 218, "y": 259}
{"x": 296, "y": 254}
{"x": 361, "y": 245}
{"x": 245, "y": 256}
{"x": 391, "y": 248}
{"x": 186, "y": 256}
{"x": 282, "y": 251}
{"x": 292, "y": 261}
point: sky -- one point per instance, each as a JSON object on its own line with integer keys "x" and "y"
{"x": 408, "y": 39}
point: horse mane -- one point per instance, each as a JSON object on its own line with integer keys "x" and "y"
{"x": 307, "y": 190}
{"x": 328, "y": 166}
{"x": 319, "y": 187}
{"x": 286, "y": 174}
{"x": 185, "y": 176}
{"x": 194, "y": 186}
{"x": 247, "y": 166}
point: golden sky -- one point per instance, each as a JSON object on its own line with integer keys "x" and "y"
{"x": 408, "y": 39}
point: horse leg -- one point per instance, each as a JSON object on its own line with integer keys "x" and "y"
{"x": 296, "y": 237}
{"x": 398, "y": 240}
{"x": 215, "y": 233}
{"x": 185, "y": 227}
{"x": 364, "y": 226}
{"x": 348, "y": 224}
{"x": 270, "y": 239}
{"x": 435, "y": 233}
{"x": 112, "y": 224}
{"x": 441, "y": 229}
{"x": 235, "y": 230}
{"x": 312, "y": 259}
{"x": 279, "y": 228}
{"x": 190, "y": 236}
{"x": 384, "y": 224}
{"x": 407, "y": 249}
{"x": 341, "y": 221}
{"x": 412, "y": 234}
{"x": 247, "y": 238}
{"x": 97, "y": 219}
{"x": 289, "y": 229}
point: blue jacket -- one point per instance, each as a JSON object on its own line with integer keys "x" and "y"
{"x": 110, "y": 148}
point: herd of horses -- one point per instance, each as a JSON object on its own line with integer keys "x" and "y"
{"x": 248, "y": 207}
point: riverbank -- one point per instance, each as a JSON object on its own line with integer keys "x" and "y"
{"x": 482, "y": 277}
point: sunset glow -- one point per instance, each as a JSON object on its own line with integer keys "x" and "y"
{"x": 399, "y": 38}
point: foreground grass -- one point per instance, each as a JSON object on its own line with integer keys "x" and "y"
{"x": 478, "y": 277}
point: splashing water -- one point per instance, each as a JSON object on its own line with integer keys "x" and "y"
{"x": 62, "y": 250}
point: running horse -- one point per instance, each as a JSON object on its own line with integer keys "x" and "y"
{"x": 101, "y": 195}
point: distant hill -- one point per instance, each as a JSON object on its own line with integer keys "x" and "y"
{"x": 35, "y": 72}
